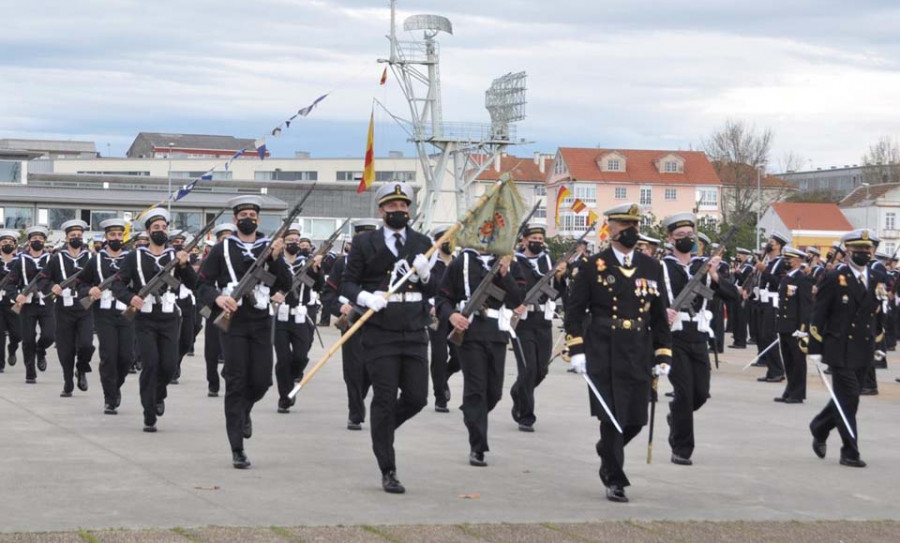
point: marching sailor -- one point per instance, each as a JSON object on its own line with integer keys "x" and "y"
{"x": 794, "y": 311}
{"x": 212, "y": 343}
{"x": 10, "y": 324}
{"x": 35, "y": 311}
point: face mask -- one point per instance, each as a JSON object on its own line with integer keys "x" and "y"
{"x": 292, "y": 248}
{"x": 159, "y": 237}
{"x": 396, "y": 219}
{"x": 246, "y": 226}
{"x": 75, "y": 243}
{"x": 178, "y": 246}
{"x": 304, "y": 252}
{"x": 37, "y": 245}
{"x": 8, "y": 249}
{"x": 628, "y": 238}
{"x": 684, "y": 245}
{"x": 445, "y": 248}
{"x": 769, "y": 247}
{"x": 861, "y": 258}
{"x": 114, "y": 245}
{"x": 535, "y": 247}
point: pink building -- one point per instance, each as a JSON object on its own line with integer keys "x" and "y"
{"x": 662, "y": 182}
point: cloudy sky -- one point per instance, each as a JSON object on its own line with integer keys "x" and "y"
{"x": 824, "y": 75}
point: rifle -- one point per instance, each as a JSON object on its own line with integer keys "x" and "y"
{"x": 164, "y": 276}
{"x": 543, "y": 284}
{"x": 71, "y": 279}
{"x": 524, "y": 224}
{"x": 256, "y": 273}
{"x": 695, "y": 287}
{"x": 31, "y": 288}
{"x": 486, "y": 288}
{"x": 301, "y": 278}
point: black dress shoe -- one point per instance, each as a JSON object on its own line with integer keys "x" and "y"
{"x": 354, "y": 425}
{"x": 681, "y": 461}
{"x": 109, "y": 409}
{"x": 138, "y": 365}
{"x": 776, "y": 379}
{"x": 65, "y": 394}
{"x": 616, "y": 493}
{"x": 213, "y": 393}
{"x": 149, "y": 424}
{"x": 868, "y": 392}
{"x": 160, "y": 408}
{"x": 42, "y": 362}
{"x": 118, "y": 398}
{"x": 758, "y": 365}
{"x": 30, "y": 380}
{"x": 853, "y": 462}
{"x": 897, "y": 379}
{"x": 248, "y": 427}
{"x": 239, "y": 460}
{"x": 390, "y": 484}
{"x": 751, "y": 341}
{"x": 526, "y": 427}
{"x": 81, "y": 379}
{"x": 670, "y": 394}
{"x": 780, "y": 399}
{"x": 819, "y": 447}
{"x": 441, "y": 407}
{"x": 477, "y": 459}
{"x": 11, "y": 359}
{"x": 737, "y": 346}
{"x": 793, "y": 400}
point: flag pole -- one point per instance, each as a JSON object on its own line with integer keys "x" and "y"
{"x": 368, "y": 314}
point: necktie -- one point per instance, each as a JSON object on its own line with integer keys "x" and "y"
{"x": 627, "y": 261}
{"x": 862, "y": 279}
{"x": 398, "y": 243}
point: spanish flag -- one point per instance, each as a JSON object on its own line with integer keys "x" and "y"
{"x": 560, "y": 196}
{"x": 384, "y": 76}
{"x": 603, "y": 234}
{"x": 578, "y": 206}
{"x": 369, "y": 170}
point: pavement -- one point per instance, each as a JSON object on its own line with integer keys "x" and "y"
{"x": 65, "y": 467}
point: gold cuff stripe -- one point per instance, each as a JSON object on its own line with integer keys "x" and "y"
{"x": 879, "y": 338}
{"x": 814, "y": 332}
{"x": 663, "y": 352}
{"x": 571, "y": 341}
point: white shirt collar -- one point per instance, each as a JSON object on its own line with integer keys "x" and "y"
{"x": 390, "y": 240}
{"x": 857, "y": 273}
{"x": 621, "y": 256}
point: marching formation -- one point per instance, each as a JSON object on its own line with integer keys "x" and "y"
{"x": 411, "y": 305}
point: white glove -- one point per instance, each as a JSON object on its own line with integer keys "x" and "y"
{"x": 799, "y": 334}
{"x": 661, "y": 369}
{"x": 879, "y": 355}
{"x": 814, "y": 358}
{"x": 579, "y": 363}
{"x": 422, "y": 266}
{"x": 372, "y": 301}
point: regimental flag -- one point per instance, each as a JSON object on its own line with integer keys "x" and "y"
{"x": 369, "y": 170}
{"x": 560, "y": 196}
{"x": 384, "y": 76}
{"x": 578, "y": 206}
{"x": 494, "y": 226}
{"x": 603, "y": 232}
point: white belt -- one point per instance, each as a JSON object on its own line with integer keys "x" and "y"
{"x": 764, "y": 296}
{"x": 773, "y": 297}
{"x": 405, "y": 297}
{"x": 491, "y": 313}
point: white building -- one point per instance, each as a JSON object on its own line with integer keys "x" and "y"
{"x": 876, "y": 207}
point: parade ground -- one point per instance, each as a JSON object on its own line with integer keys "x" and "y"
{"x": 70, "y": 473}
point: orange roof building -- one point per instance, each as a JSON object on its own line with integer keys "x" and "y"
{"x": 806, "y": 224}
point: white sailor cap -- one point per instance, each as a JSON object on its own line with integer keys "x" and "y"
{"x": 742, "y": 251}
{"x": 155, "y": 214}
{"x": 37, "y": 230}
{"x": 882, "y": 255}
{"x": 678, "y": 220}
{"x": 789, "y": 251}
{"x": 178, "y": 234}
{"x": 704, "y": 238}
{"x": 813, "y": 250}
{"x": 534, "y": 228}
{"x": 74, "y": 224}
{"x": 439, "y": 231}
{"x": 648, "y": 239}
{"x": 861, "y": 237}
{"x": 364, "y": 225}
{"x": 394, "y": 190}
{"x": 12, "y": 234}
{"x": 141, "y": 235}
{"x": 241, "y": 203}
{"x": 780, "y": 238}
{"x": 112, "y": 224}
{"x": 625, "y": 212}
{"x": 224, "y": 227}
{"x": 295, "y": 228}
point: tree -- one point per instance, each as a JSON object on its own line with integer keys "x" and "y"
{"x": 882, "y": 162}
{"x": 737, "y": 152}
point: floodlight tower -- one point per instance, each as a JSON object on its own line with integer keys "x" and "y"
{"x": 467, "y": 148}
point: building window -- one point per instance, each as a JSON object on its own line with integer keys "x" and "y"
{"x": 586, "y": 193}
{"x": 559, "y": 168}
{"x": 540, "y": 213}
{"x": 612, "y": 164}
{"x": 349, "y": 176}
{"x": 10, "y": 171}
{"x": 16, "y": 217}
{"x": 189, "y": 221}
{"x": 646, "y": 196}
{"x": 99, "y": 216}
{"x": 395, "y": 176}
{"x": 890, "y": 248}
{"x": 671, "y": 166}
{"x": 131, "y": 173}
{"x": 540, "y": 190}
{"x": 57, "y": 216}
{"x": 319, "y": 228}
{"x": 281, "y": 175}
{"x": 890, "y": 220}
{"x": 671, "y": 194}
{"x": 621, "y": 193}
{"x": 223, "y": 175}
{"x": 707, "y": 198}
{"x": 570, "y": 222}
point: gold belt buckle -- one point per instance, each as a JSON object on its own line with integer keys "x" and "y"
{"x": 626, "y": 324}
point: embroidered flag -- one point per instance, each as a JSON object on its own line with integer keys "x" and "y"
{"x": 560, "y": 196}
{"x": 369, "y": 170}
{"x": 494, "y": 226}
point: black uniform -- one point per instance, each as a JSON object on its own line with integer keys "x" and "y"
{"x": 10, "y": 324}
{"x": 769, "y": 281}
{"x": 690, "y": 372}
{"x": 114, "y": 332}
{"x": 846, "y": 323}
{"x": 74, "y": 324}
{"x": 869, "y": 384}
{"x": 248, "y": 344}
{"x": 327, "y": 265}
{"x": 483, "y": 352}
{"x": 739, "y": 311}
{"x": 355, "y": 376}
{"x": 794, "y": 312}
{"x": 394, "y": 341}
{"x": 156, "y": 325}
{"x": 535, "y": 333}
{"x": 35, "y": 312}
{"x": 444, "y": 355}
{"x": 627, "y": 308}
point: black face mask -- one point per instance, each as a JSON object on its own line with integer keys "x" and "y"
{"x": 396, "y": 219}
{"x": 770, "y": 247}
{"x": 304, "y": 252}
{"x": 445, "y": 248}
{"x": 76, "y": 243}
{"x": 178, "y": 246}
{"x": 684, "y": 245}
{"x": 159, "y": 237}
{"x": 246, "y": 226}
{"x": 9, "y": 249}
{"x": 535, "y": 247}
{"x": 861, "y": 258}
{"x": 629, "y": 237}
{"x": 37, "y": 245}
{"x": 114, "y": 245}
{"x": 292, "y": 248}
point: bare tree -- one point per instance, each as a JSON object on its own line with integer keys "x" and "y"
{"x": 791, "y": 162}
{"x": 737, "y": 151}
{"x": 882, "y": 162}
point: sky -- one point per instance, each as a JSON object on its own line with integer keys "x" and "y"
{"x": 823, "y": 75}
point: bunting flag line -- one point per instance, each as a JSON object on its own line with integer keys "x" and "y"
{"x": 304, "y": 111}
{"x": 261, "y": 148}
{"x": 560, "y": 196}
{"x": 369, "y": 170}
{"x": 578, "y": 206}
{"x": 383, "y": 76}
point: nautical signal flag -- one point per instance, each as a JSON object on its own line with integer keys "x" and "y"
{"x": 578, "y": 206}
{"x": 369, "y": 169}
{"x": 384, "y": 76}
{"x": 560, "y": 196}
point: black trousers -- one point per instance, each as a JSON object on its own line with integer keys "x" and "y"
{"x": 753, "y": 320}
{"x": 846, "y": 385}
{"x": 212, "y": 353}
{"x": 795, "y": 368}
{"x": 74, "y": 340}
{"x": 116, "y": 337}
{"x": 157, "y": 340}
{"x": 611, "y": 449}
{"x": 292, "y": 343}
{"x": 536, "y": 344}
{"x": 765, "y": 336}
{"x": 355, "y": 378}
{"x": 482, "y": 368}
{"x": 718, "y": 323}
{"x": 738, "y": 317}
{"x": 690, "y": 380}
{"x": 406, "y": 373}
{"x": 247, "y": 372}
{"x": 33, "y": 315}
{"x": 11, "y": 325}
{"x": 444, "y": 361}
{"x": 187, "y": 327}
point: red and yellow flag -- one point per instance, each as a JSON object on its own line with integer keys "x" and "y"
{"x": 560, "y": 196}
{"x": 578, "y": 206}
{"x": 603, "y": 233}
{"x": 369, "y": 170}
{"x": 383, "y": 76}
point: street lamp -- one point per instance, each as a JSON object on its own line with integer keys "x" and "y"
{"x": 867, "y": 203}
{"x": 169, "y": 199}
{"x": 759, "y": 169}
